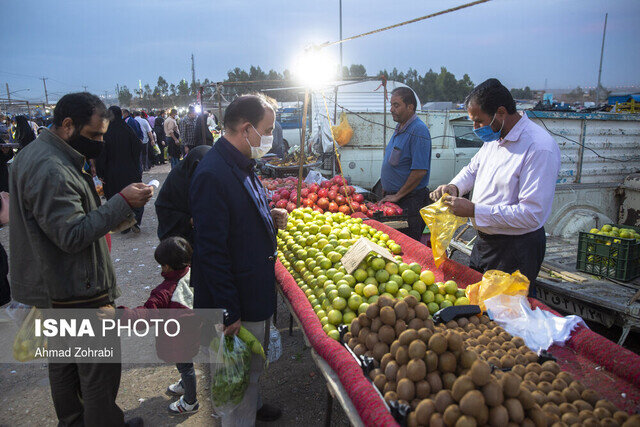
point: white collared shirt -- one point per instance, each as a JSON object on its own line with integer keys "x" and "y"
{"x": 513, "y": 180}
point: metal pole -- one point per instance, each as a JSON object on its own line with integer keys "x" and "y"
{"x": 8, "y": 94}
{"x": 604, "y": 32}
{"x": 340, "y": 39}
{"x": 219, "y": 91}
{"x": 335, "y": 121}
{"x": 202, "y": 122}
{"x": 302, "y": 138}
{"x": 46, "y": 96}
{"x": 384, "y": 129}
{"x": 28, "y": 109}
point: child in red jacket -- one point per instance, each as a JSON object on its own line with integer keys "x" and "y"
{"x": 174, "y": 255}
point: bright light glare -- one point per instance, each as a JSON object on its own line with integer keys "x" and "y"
{"x": 315, "y": 68}
{"x": 198, "y": 108}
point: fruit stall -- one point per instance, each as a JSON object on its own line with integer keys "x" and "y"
{"x": 467, "y": 371}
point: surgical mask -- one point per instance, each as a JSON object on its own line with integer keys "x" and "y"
{"x": 89, "y": 148}
{"x": 486, "y": 134}
{"x": 266, "y": 141}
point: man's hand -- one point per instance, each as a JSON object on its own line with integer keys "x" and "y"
{"x": 460, "y": 206}
{"x": 393, "y": 198}
{"x": 137, "y": 194}
{"x": 107, "y": 312}
{"x": 279, "y": 218}
{"x": 450, "y": 189}
{"x": 4, "y": 211}
{"x": 233, "y": 328}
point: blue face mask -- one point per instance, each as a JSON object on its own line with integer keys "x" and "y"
{"x": 486, "y": 134}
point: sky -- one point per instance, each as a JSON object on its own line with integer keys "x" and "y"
{"x": 98, "y": 44}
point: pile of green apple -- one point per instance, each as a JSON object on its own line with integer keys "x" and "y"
{"x": 311, "y": 248}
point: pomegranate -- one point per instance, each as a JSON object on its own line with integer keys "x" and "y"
{"x": 323, "y": 192}
{"x": 290, "y": 207}
{"x": 340, "y": 200}
{"x": 358, "y": 198}
{"x": 333, "y": 207}
{"x": 323, "y": 203}
{"x": 282, "y": 204}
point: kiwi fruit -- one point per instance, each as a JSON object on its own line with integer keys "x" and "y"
{"x": 375, "y": 324}
{"x": 467, "y": 357}
{"x": 551, "y": 366}
{"x": 394, "y": 347}
{"x": 364, "y": 321}
{"x": 461, "y": 386}
{"x": 436, "y": 420}
{"x": 493, "y": 346}
{"x": 525, "y": 398}
{"x": 590, "y": 396}
{"x": 534, "y": 367}
{"x": 400, "y": 327}
{"x": 558, "y": 384}
{"x": 521, "y": 359}
{"x": 498, "y": 416}
{"x": 387, "y": 315}
{"x": 633, "y": 420}
{"x": 401, "y": 309}
{"x": 454, "y": 342}
{"x": 447, "y": 362}
{"x": 451, "y": 414}
{"x": 435, "y": 381}
{"x": 431, "y": 360}
{"x": 416, "y": 369}
{"x": 493, "y": 360}
{"x": 551, "y": 407}
{"x": 380, "y": 381}
{"x": 531, "y": 357}
{"x": 507, "y": 362}
{"x": 537, "y": 416}
{"x": 515, "y": 410}
{"x": 603, "y": 403}
{"x": 390, "y": 396}
{"x": 466, "y": 421}
{"x": 407, "y": 337}
{"x": 389, "y": 386}
{"x": 601, "y": 413}
{"x": 424, "y": 411}
{"x": 577, "y": 386}
{"x": 570, "y": 394}
{"x": 379, "y": 350}
{"x": 416, "y": 324}
{"x": 480, "y": 372}
{"x": 438, "y": 343}
{"x": 423, "y": 389}
{"x": 386, "y": 334}
{"x": 565, "y": 376}
{"x": 609, "y": 422}
{"x": 371, "y": 340}
{"x": 355, "y": 327}
{"x": 540, "y": 397}
{"x": 472, "y": 403}
{"x": 547, "y": 376}
{"x": 412, "y": 420}
{"x": 620, "y": 417}
{"x": 385, "y": 360}
{"x": 360, "y": 350}
{"x": 411, "y": 301}
{"x": 529, "y": 386}
{"x": 568, "y": 407}
{"x": 531, "y": 376}
{"x": 585, "y": 414}
{"x": 556, "y": 397}
{"x": 384, "y": 301}
{"x": 519, "y": 370}
{"x": 510, "y": 384}
{"x": 545, "y": 387}
{"x": 402, "y": 355}
{"x": 422, "y": 311}
{"x": 406, "y": 389}
{"x": 448, "y": 378}
{"x": 581, "y": 405}
{"x": 442, "y": 400}
{"x": 417, "y": 349}
{"x": 352, "y": 343}
{"x": 362, "y": 335}
{"x": 411, "y": 314}
{"x": 570, "y": 418}
{"x": 374, "y": 373}
{"x": 517, "y": 341}
{"x": 391, "y": 370}
{"x": 484, "y": 340}
{"x": 493, "y": 393}
{"x": 463, "y": 321}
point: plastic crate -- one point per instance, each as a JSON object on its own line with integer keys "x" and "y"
{"x": 606, "y": 256}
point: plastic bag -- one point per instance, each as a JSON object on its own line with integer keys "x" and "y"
{"x": 314, "y": 177}
{"x": 443, "y": 224}
{"x": 156, "y": 149}
{"x": 229, "y": 373}
{"x": 26, "y": 342}
{"x": 98, "y": 184}
{"x": 538, "y": 328}
{"x": 274, "y": 351}
{"x": 496, "y": 282}
{"x": 343, "y": 132}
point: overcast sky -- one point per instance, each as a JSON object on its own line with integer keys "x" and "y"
{"x": 103, "y": 43}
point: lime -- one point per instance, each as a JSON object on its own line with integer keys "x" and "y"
{"x": 445, "y": 304}
{"x": 415, "y": 267}
{"x": 450, "y": 298}
{"x": 428, "y": 297}
{"x": 354, "y": 302}
{"x": 382, "y": 276}
{"x": 397, "y": 279}
{"x": 438, "y": 298}
{"x": 378, "y": 264}
{"x": 450, "y": 287}
{"x": 334, "y": 334}
{"x": 392, "y": 268}
{"x": 358, "y": 288}
{"x": 391, "y": 287}
{"x": 409, "y": 277}
{"x": 372, "y": 299}
{"x": 370, "y": 290}
{"x": 428, "y": 277}
{"x": 402, "y": 293}
{"x": 462, "y": 301}
{"x": 363, "y": 308}
{"x": 371, "y": 281}
{"x": 415, "y": 294}
{"x": 419, "y": 287}
{"x": 344, "y": 291}
{"x": 339, "y": 303}
{"x": 402, "y": 267}
{"x": 350, "y": 279}
{"x": 382, "y": 287}
{"x": 433, "y": 307}
{"x": 360, "y": 275}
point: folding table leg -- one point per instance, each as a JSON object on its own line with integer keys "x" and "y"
{"x": 328, "y": 413}
{"x": 625, "y": 332}
{"x": 290, "y": 324}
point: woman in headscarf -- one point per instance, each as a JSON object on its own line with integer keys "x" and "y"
{"x": 172, "y": 204}
{"x": 203, "y": 137}
{"x": 119, "y": 163}
{"x": 24, "y": 133}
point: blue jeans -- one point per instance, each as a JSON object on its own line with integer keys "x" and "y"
{"x": 188, "y": 379}
{"x": 174, "y": 161}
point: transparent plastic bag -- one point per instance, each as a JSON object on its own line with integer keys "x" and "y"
{"x": 343, "y": 132}
{"x": 496, "y": 282}
{"x": 229, "y": 373}
{"x": 18, "y": 311}
{"x": 538, "y": 328}
{"x": 443, "y": 224}
{"x": 275, "y": 345}
{"x": 26, "y": 342}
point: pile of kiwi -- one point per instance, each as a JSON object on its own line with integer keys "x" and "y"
{"x": 469, "y": 372}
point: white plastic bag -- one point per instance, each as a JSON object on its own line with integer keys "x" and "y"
{"x": 275, "y": 345}
{"x": 538, "y": 328}
{"x": 229, "y": 373}
{"x": 314, "y": 177}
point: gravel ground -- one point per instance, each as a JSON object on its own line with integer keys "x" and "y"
{"x": 293, "y": 383}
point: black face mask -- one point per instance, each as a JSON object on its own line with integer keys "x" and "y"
{"x": 89, "y": 148}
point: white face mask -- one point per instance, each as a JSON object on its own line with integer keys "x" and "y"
{"x": 266, "y": 141}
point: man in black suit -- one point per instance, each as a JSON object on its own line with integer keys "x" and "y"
{"x": 235, "y": 237}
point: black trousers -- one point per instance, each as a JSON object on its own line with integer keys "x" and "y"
{"x": 510, "y": 253}
{"x": 411, "y": 205}
{"x": 84, "y": 394}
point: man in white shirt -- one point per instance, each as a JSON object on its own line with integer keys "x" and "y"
{"x": 146, "y": 140}
{"x": 513, "y": 178}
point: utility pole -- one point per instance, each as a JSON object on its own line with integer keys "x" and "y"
{"x": 85, "y": 88}
{"x": 340, "y": 74}
{"x": 8, "y": 93}
{"x": 46, "y": 96}
{"x": 604, "y": 32}
{"x": 193, "y": 73}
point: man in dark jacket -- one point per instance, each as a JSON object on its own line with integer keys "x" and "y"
{"x": 59, "y": 255}
{"x": 119, "y": 163}
{"x": 133, "y": 123}
{"x": 235, "y": 237}
{"x": 158, "y": 129}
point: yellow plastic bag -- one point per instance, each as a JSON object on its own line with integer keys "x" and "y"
{"x": 442, "y": 223}
{"x": 343, "y": 132}
{"x": 494, "y": 283}
{"x": 25, "y": 342}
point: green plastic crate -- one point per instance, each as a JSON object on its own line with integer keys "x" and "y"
{"x": 606, "y": 256}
